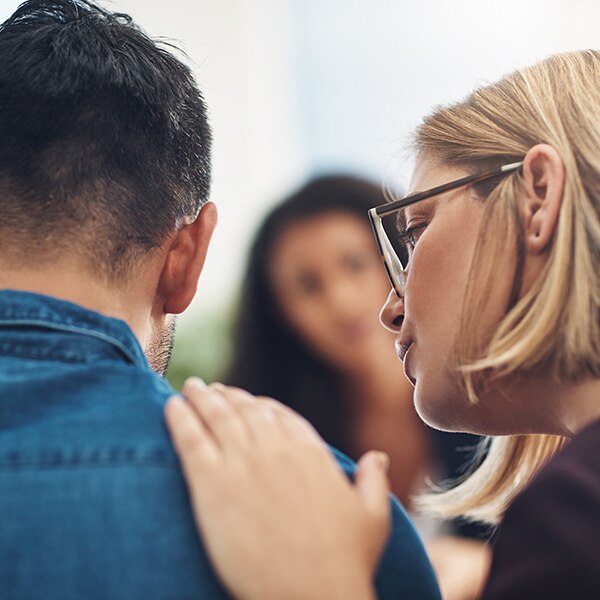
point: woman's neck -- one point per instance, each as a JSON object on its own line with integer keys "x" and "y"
{"x": 540, "y": 405}
{"x": 579, "y": 405}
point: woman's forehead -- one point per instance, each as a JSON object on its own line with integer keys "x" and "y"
{"x": 426, "y": 175}
{"x": 429, "y": 173}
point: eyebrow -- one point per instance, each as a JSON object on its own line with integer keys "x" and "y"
{"x": 400, "y": 219}
{"x": 427, "y": 207}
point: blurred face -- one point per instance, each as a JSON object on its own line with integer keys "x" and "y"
{"x": 442, "y": 233}
{"x": 328, "y": 281}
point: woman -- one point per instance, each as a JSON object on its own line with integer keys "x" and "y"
{"x": 497, "y": 320}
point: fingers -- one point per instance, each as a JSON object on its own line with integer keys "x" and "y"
{"x": 293, "y": 423}
{"x": 373, "y": 486}
{"x": 192, "y": 440}
{"x": 216, "y": 412}
{"x": 244, "y": 414}
{"x": 256, "y": 414}
{"x": 233, "y": 420}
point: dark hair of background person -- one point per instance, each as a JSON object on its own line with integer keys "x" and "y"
{"x": 269, "y": 357}
{"x": 105, "y": 139}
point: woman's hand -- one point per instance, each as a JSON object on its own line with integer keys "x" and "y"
{"x": 277, "y": 515}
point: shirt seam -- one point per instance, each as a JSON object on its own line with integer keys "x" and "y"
{"x": 80, "y": 330}
{"x": 40, "y": 464}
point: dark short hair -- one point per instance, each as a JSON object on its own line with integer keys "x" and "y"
{"x": 104, "y": 138}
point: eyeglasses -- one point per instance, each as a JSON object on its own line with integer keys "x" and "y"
{"x": 395, "y": 260}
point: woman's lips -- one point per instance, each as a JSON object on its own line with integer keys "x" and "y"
{"x": 402, "y": 349}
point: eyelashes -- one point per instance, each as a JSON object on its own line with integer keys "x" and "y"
{"x": 410, "y": 236}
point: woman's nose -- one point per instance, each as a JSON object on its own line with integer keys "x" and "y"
{"x": 392, "y": 313}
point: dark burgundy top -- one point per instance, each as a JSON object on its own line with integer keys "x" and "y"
{"x": 548, "y": 545}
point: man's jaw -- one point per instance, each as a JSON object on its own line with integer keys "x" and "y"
{"x": 159, "y": 348}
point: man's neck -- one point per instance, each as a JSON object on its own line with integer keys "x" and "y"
{"x": 68, "y": 282}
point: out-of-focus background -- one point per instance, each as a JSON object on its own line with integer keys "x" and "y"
{"x": 302, "y": 87}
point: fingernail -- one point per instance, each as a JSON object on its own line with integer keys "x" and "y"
{"x": 269, "y": 413}
{"x": 383, "y": 461}
{"x": 175, "y": 403}
{"x": 196, "y": 382}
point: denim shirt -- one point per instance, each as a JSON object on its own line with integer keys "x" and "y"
{"x": 92, "y": 500}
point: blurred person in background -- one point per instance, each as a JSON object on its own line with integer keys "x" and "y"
{"x": 308, "y": 334}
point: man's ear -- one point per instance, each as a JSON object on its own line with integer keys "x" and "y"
{"x": 543, "y": 185}
{"x": 185, "y": 259}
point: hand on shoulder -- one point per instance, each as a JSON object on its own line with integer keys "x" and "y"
{"x": 277, "y": 515}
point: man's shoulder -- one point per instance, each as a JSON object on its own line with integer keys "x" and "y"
{"x": 91, "y": 421}
{"x": 91, "y": 493}
{"x": 82, "y": 408}
{"x": 404, "y": 570}
{"x": 89, "y": 427}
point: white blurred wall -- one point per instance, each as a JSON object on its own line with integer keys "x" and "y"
{"x": 298, "y": 87}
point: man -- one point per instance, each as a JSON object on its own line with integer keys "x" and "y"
{"x": 104, "y": 228}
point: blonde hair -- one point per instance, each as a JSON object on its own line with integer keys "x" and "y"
{"x": 555, "y": 327}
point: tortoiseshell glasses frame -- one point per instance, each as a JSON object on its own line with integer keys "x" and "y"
{"x": 394, "y": 266}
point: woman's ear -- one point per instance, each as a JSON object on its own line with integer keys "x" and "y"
{"x": 543, "y": 184}
{"x": 185, "y": 260}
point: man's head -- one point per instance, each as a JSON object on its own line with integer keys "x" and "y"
{"x": 105, "y": 154}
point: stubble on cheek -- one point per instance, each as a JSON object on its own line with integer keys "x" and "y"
{"x": 159, "y": 349}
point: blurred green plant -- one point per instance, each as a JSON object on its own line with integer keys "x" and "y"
{"x": 202, "y": 347}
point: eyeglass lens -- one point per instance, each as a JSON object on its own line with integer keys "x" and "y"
{"x": 390, "y": 226}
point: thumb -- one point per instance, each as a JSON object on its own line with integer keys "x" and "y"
{"x": 373, "y": 485}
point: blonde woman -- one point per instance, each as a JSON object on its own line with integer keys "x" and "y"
{"x": 496, "y": 310}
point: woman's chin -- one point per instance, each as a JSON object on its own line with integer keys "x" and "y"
{"x": 442, "y": 410}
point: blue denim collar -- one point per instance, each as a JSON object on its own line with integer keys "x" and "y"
{"x": 26, "y": 309}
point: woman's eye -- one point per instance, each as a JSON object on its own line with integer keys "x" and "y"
{"x": 414, "y": 234}
{"x": 411, "y": 236}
